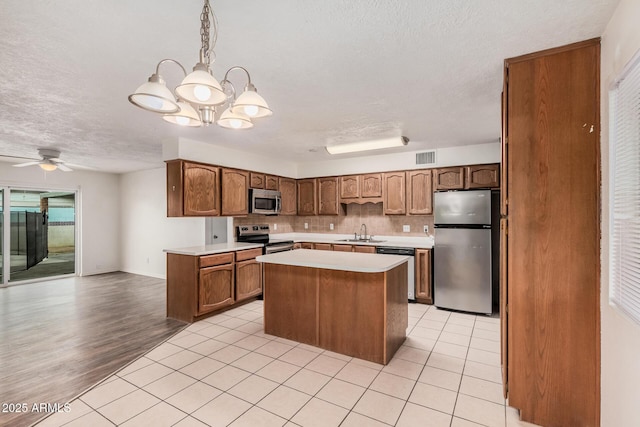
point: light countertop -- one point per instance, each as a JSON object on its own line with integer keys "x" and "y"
{"x": 346, "y": 261}
{"x": 425, "y": 242}
{"x": 213, "y": 249}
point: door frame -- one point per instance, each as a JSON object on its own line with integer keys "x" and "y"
{"x": 6, "y": 237}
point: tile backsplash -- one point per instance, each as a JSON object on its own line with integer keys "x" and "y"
{"x": 350, "y": 222}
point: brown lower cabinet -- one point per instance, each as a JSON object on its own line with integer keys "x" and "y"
{"x": 248, "y": 274}
{"x": 424, "y": 292}
{"x": 215, "y": 288}
{"x": 322, "y": 246}
{"x": 200, "y": 285}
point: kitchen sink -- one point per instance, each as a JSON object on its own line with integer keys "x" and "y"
{"x": 362, "y": 240}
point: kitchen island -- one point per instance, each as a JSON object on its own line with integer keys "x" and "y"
{"x": 350, "y": 303}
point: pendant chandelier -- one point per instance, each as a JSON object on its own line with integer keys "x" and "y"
{"x": 195, "y": 101}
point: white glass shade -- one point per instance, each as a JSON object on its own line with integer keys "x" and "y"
{"x": 154, "y": 96}
{"x": 367, "y": 145}
{"x": 251, "y": 104}
{"x": 231, "y": 120}
{"x": 201, "y": 88}
{"x": 48, "y": 166}
{"x": 187, "y": 116}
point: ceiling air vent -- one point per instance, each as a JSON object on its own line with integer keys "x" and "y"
{"x": 426, "y": 158}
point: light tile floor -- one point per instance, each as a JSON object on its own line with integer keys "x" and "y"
{"x": 224, "y": 371}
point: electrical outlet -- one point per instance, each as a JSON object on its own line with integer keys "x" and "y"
{"x": 306, "y": 225}
{"x": 147, "y": 260}
{"x": 330, "y": 226}
{"x": 275, "y": 227}
{"x": 406, "y": 228}
{"x": 426, "y": 229}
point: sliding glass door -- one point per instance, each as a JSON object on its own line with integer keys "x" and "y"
{"x": 41, "y": 241}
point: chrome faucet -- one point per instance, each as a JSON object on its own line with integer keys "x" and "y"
{"x": 365, "y": 232}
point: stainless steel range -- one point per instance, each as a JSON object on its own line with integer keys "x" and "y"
{"x": 259, "y": 233}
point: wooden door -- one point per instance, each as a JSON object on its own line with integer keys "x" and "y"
{"x": 256, "y": 180}
{"x": 365, "y": 249}
{"x": 201, "y": 189}
{"x": 419, "y": 192}
{"x": 271, "y": 182}
{"x": 482, "y": 176}
{"x": 371, "y": 185}
{"x": 423, "y": 276}
{"x": 235, "y": 192}
{"x": 350, "y": 187}
{"x": 215, "y": 288}
{"x": 449, "y": 178}
{"x": 394, "y": 202}
{"x": 287, "y": 188}
{"x": 553, "y": 241}
{"x": 248, "y": 279}
{"x": 328, "y": 196}
{"x": 307, "y": 197}
{"x": 306, "y": 245}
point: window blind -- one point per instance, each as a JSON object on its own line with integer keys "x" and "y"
{"x": 624, "y": 203}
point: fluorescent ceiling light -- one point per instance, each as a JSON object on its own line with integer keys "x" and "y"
{"x": 376, "y": 144}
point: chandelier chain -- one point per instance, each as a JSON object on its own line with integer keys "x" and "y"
{"x": 208, "y": 42}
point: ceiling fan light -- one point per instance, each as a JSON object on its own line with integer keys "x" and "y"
{"x": 376, "y": 144}
{"x": 201, "y": 88}
{"x": 49, "y": 167}
{"x": 231, "y": 120}
{"x": 187, "y": 116}
{"x": 251, "y": 104}
{"x": 154, "y": 96}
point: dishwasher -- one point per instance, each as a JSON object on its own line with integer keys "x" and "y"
{"x": 410, "y": 252}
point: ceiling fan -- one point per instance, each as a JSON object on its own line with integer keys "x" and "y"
{"x": 50, "y": 161}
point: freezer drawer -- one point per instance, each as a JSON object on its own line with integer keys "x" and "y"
{"x": 462, "y": 269}
{"x": 462, "y": 207}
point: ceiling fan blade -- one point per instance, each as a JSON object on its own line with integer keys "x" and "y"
{"x": 13, "y": 159}
{"x": 21, "y": 165}
{"x": 63, "y": 167}
{"x": 55, "y": 160}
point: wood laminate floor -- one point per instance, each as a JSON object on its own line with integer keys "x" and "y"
{"x": 59, "y": 337}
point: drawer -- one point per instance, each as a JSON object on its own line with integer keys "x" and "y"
{"x": 217, "y": 259}
{"x": 248, "y": 254}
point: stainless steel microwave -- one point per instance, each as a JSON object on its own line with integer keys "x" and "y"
{"x": 267, "y": 202}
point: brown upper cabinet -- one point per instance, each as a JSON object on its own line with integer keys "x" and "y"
{"x": 328, "y": 196}
{"x": 466, "y": 177}
{"x": 235, "y": 192}
{"x": 256, "y": 180}
{"x": 361, "y": 188}
{"x": 419, "y": 192}
{"x": 394, "y": 190}
{"x": 193, "y": 189}
{"x": 263, "y": 181}
{"x": 288, "y": 193}
{"x": 449, "y": 178}
{"x": 483, "y": 176}
{"x": 307, "y": 196}
{"x": 371, "y": 185}
{"x": 271, "y": 182}
{"x": 350, "y": 187}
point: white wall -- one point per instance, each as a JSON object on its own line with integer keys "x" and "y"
{"x": 620, "y": 375}
{"x": 146, "y": 230}
{"x": 454, "y": 156}
{"x": 97, "y": 206}
{"x": 189, "y": 149}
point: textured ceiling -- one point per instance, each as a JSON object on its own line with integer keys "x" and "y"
{"x": 332, "y": 71}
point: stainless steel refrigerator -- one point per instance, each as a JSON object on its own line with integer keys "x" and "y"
{"x": 466, "y": 250}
